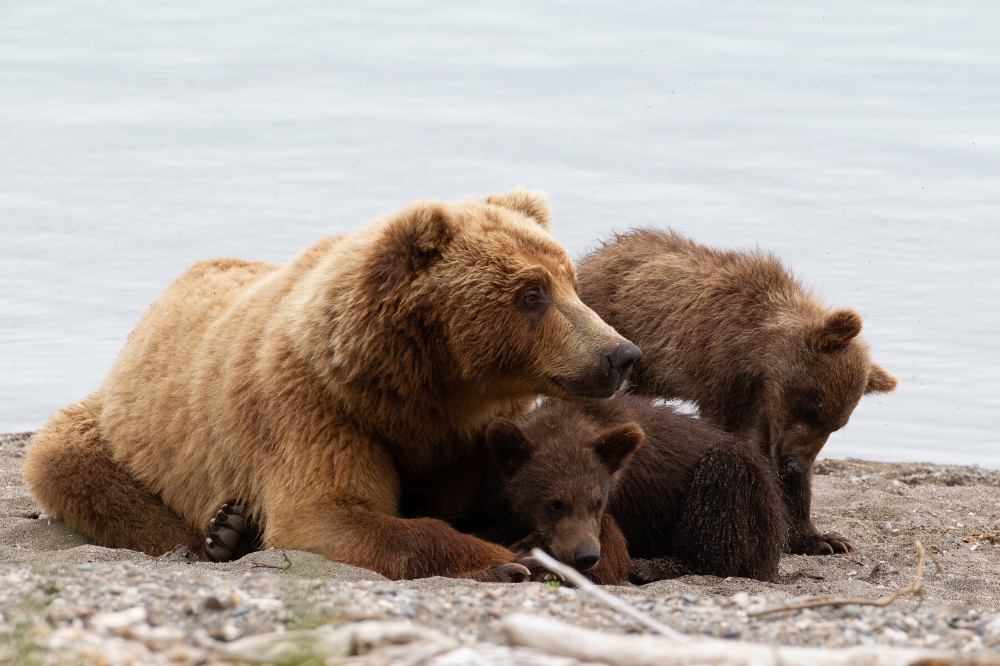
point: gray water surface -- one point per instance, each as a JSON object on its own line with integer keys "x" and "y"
{"x": 859, "y": 142}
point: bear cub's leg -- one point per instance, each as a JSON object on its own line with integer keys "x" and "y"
{"x": 733, "y": 522}
{"x": 231, "y": 534}
{"x": 804, "y": 538}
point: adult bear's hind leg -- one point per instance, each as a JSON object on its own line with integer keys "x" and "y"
{"x": 72, "y": 476}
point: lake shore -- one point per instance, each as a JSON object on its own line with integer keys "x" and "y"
{"x": 65, "y": 601}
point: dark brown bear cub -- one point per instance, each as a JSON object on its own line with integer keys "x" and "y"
{"x": 737, "y": 334}
{"x": 691, "y": 492}
{"x": 550, "y": 491}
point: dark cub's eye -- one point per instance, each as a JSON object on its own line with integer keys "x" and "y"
{"x": 555, "y": 506}
{"x": 810, "y": 414}
{"x": 534, "y": 298}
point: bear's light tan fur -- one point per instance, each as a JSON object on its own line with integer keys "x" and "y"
{"x": 313, "y": 391}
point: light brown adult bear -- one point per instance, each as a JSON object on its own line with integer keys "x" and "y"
{"x": 314, "y": 391}
{"x": 738, "y": 335}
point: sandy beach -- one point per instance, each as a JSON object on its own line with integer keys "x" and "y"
{"x": 64, "y": 601}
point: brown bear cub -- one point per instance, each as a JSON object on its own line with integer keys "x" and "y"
{"x": 737, "y": 334}
{"x": 549, "y": 490}
{"x": 690, "y": 492}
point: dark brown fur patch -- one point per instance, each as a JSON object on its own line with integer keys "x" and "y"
{"x": 691, "y": 491}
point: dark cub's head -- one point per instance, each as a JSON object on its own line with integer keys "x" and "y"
{"x": 557, "y": 475}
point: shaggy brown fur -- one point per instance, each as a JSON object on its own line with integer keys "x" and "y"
{"x": 316, "y": 390}
{"x": 691, "y": 492}
{"x": 550, "y": 493}
{"x": 737, "y": 334}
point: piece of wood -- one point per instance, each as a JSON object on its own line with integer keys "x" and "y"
{"x": 558, "y": 638}
{"x": 608, "y": 599}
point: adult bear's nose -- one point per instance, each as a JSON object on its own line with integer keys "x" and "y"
{"x": 621, "y": 360}
{"x": 585, "y": 558}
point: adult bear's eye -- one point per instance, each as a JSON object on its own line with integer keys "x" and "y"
{"x": 555, "y": 506}
{"x": 534, "y": 298}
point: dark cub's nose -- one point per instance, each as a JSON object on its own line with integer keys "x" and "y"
{"x": 585, "y": 558}
{"x": 621, "y": 360}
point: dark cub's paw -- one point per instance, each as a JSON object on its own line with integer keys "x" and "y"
{"x": 231, "y": 534}
{"x": 822, "y": 544}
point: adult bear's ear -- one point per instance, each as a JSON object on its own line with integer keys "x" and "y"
{"x": 532, "y": 203}
{"x": 413, "y": 239}
{"x": 880, "y": 381}
{"x": 421, "y": 233}
{"x": 839, "y": 328}
{"x": 508, "y": 445}
{"x": 615, "y": 446}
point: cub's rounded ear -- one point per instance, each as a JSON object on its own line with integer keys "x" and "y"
{"x": 508, "y": 445}
{"x": 533, "y": 203}
{"x": 880, "y": 381}
{"x": 615, "y": 446}
{"x": 839, "y": 328}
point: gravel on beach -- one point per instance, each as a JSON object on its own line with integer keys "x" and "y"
{"x": 65, "y": 601}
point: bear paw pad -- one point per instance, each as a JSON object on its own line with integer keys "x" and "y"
{"x": 231, "y": 534}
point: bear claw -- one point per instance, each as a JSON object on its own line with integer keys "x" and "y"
{"x": 539, "y": 574}
{"x": 510, "y": 572}
{"x": 825, "y": 544}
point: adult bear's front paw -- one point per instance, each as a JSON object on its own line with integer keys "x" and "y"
{"x": 231, "y": 534}
{"x": 823, "y": 544}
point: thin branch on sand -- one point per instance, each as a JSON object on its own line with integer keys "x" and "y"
{"x": 619, "y": 604}
{"x": 916, "y": 588}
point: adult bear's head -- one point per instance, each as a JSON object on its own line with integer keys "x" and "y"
{"x": 485, "y": 297}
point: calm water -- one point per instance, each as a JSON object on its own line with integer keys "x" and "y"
{"x": 860, "y": 143}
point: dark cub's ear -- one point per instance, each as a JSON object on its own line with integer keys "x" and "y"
{"x": 532, "y": 203}
{"x": 839, "y": 328}
{"x": 615, "y": 446}
{"x": 880, "y": 381}
{"x": 508, "y": 445}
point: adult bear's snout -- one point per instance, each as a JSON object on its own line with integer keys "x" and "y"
{"x": 620, "y": 361}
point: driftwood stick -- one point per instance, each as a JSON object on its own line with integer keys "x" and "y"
{"x": 916, "y": 588}
{"x": 619, "y": 604}
{"x": 555, "y": 637}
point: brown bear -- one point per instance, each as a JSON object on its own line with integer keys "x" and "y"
{"x": 691, "y": 492}
{"x": 314, "y": 392}
{"x": 738, "y": 335}
{"x": 549, "y": 489}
